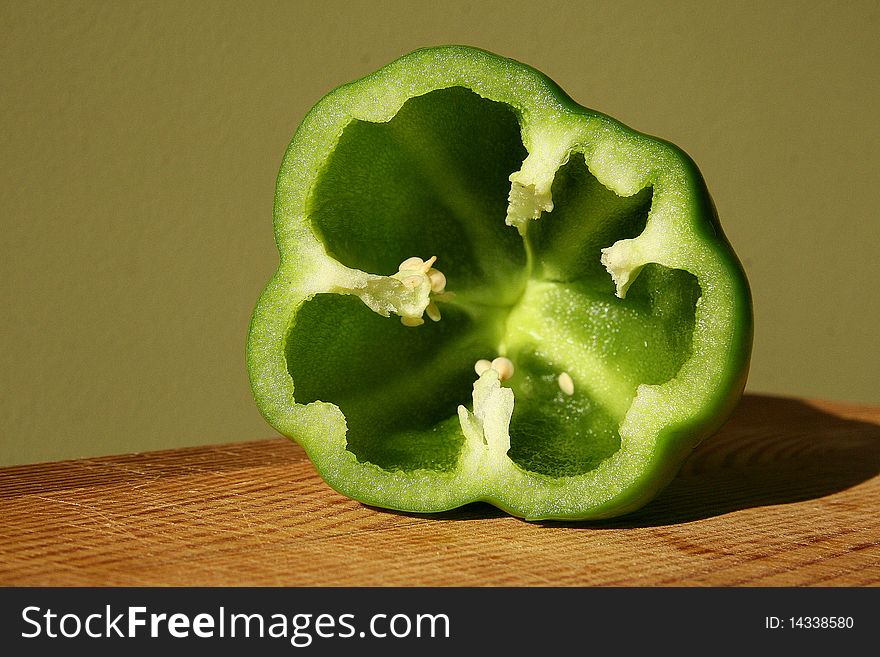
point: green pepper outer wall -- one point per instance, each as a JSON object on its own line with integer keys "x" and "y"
{"x": 663, "y": 422}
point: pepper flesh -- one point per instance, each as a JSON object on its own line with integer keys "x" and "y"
{"x": 570, "y": 244}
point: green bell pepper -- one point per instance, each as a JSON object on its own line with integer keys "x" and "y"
{"x": 587, "y": 322}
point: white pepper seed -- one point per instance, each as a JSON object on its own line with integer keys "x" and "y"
{"x": 411, "y": 263}
{"x": 566, "y": 384}
{"x": 481, "y": 366}
{"x": 433, "y": 312}
{"x": 438, "y": 280}
{"x": 504, "y": 367}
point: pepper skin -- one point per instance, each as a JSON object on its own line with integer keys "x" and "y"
{"x": 584, "y": 326}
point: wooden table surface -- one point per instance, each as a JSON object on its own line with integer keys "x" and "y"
{"x": 787, "y": 493}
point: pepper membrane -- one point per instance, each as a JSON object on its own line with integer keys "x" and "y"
{"x": 468, "y": 190}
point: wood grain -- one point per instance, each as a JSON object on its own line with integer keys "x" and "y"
{"x": 785, "y": 494}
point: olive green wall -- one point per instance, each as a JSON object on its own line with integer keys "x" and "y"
{"x": 140, "y": 144}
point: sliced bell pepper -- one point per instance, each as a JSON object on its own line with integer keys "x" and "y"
{"x": 487, "y": 292}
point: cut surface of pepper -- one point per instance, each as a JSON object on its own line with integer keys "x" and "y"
{"x": 587, "y": 324}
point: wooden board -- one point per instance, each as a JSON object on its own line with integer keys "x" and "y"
{"x": 786, "y": 494}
